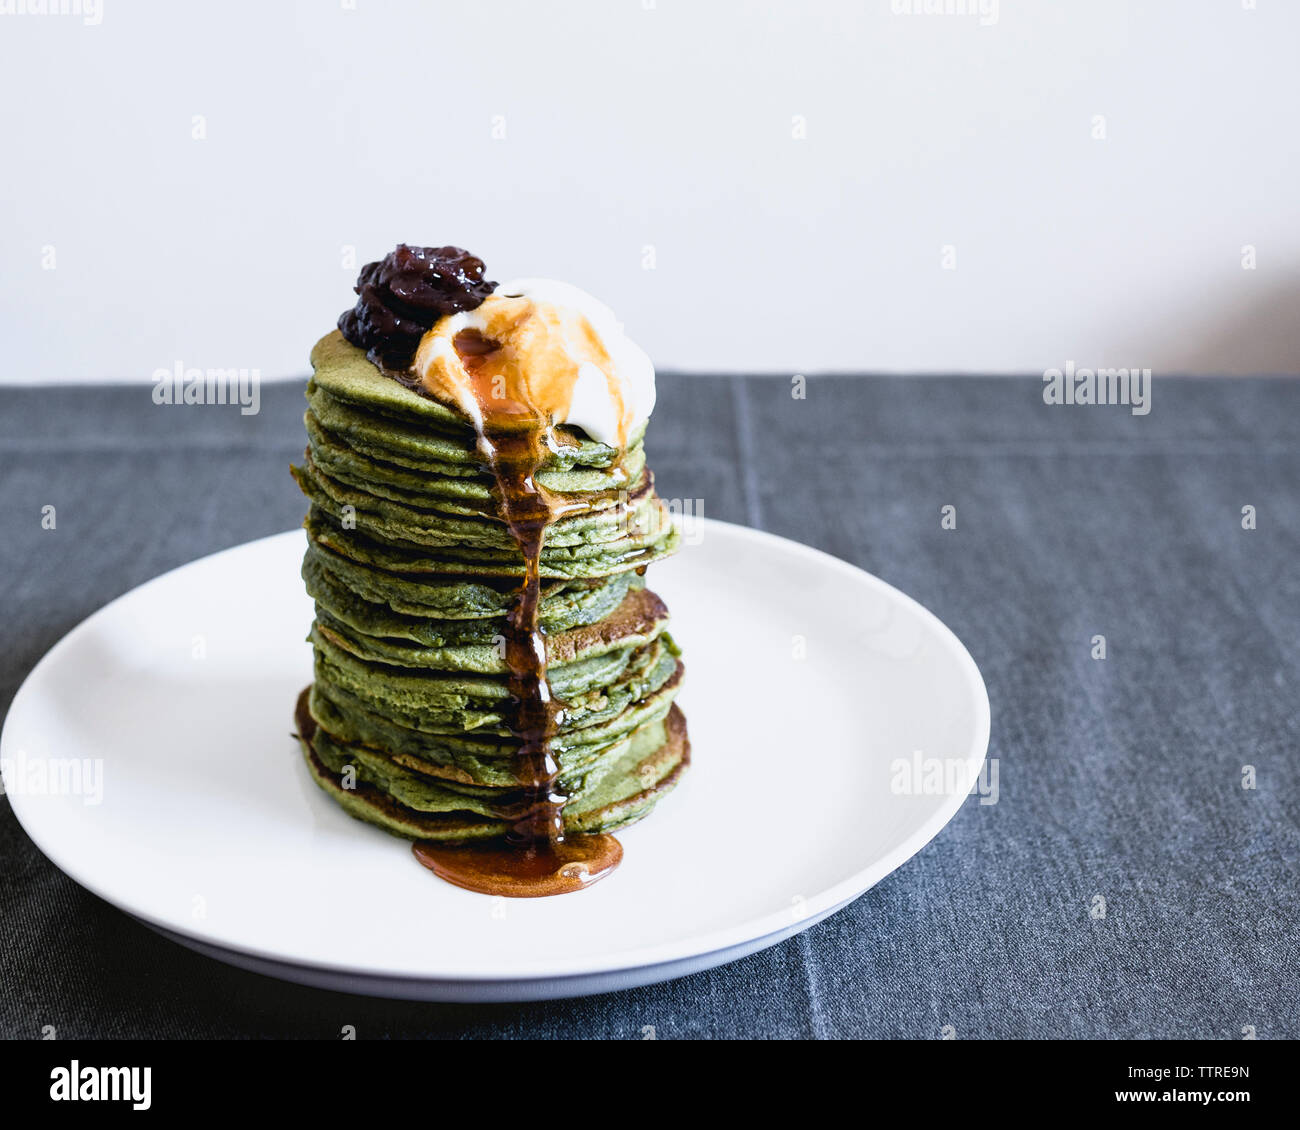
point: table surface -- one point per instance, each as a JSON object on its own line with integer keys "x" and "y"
{"x": 1120, "y": 779}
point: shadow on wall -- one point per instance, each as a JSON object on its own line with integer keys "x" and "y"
{"x": 1262, "y": 337}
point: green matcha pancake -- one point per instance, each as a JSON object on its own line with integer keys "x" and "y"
{"x": 493, "y": 679}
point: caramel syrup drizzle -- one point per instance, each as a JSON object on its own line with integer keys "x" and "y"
{"x": 537, "y": 858}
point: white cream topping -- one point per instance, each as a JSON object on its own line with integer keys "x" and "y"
{"x": 591, "y": 407}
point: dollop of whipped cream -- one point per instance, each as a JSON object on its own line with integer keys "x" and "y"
{"x": 540, "y": 349}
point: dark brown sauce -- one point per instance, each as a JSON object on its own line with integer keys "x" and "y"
{"x": 572, "y": 864}
{"x": 526, "y": 509}
{"x": 536, "y": 858}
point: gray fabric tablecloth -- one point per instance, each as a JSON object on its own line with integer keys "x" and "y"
{"x": 1119, "y": 778}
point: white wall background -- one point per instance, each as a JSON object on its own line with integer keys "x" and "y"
{"x": 668, "y": 124}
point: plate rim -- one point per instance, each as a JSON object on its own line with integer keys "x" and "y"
{"x": 696, "y": 947}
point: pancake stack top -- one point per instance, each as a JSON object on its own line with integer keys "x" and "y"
{"x": 492, "y": 677}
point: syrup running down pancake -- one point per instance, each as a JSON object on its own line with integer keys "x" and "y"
{"x": 492, "y": 677}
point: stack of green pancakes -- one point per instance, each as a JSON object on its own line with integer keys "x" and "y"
{"x": 413, "y": 573}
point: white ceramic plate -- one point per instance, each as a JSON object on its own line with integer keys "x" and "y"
{"x": 806, "y": 678}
